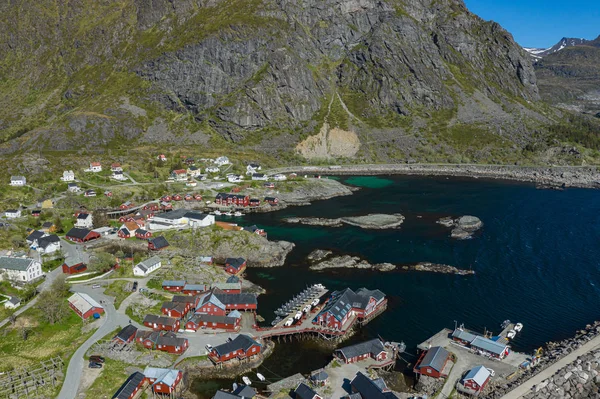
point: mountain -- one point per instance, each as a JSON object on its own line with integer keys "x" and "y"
{"x": 571, "y": 77}
{"x": 367, "y": 79}
{"x": 565, "y": 42}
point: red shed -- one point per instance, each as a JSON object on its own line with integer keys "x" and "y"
{"x": 73, "y": 265}
{"x": 194, "y": 289}
{"x": 81, "y": 235}
{"x": 477, "y": 378}
{"x": 272, "y": 200}
{"x": 433, "y": 362}
{"x": 254, "y": 202}
{"x": 241, "y": 347}
{"x": 126, "y": 335}
{"x": 173, "y": 285}
{"x": 130, "y": 387}
{"x": 373, "y": 349}
{"x": 235, "y": 266}
{"x": 177, "y": 197}
{"x": 84, "y": 305}
{"x": 160, "y": 323}
{"x": 142, "y": 234}
{"x": 163, "y": 381}
{"x": 175, "y": 309}
{"x": 172, "y": 344}
{"x": 213, "y": 322}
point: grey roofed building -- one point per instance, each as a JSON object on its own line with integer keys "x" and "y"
{"x": 303, "y": 391}
{"x": 159, "y": 242}
{"x": 35, "y": 235}
{"x": 320, "y": 375}
{"x": 463, "y": 335}
{"x": 148, "y": 263}
{"x": 210, "y": 297}
{"x": 227, "y": 286}
{"x": 171, "y": 340}
{"x": 164, "y": 320}
{"x": 479, "y": 374}
{"x": 129, "y": 386}
{"x": 244, "y": 298}
{"x": 50, "y": 239}
{"x": 435, "y": 358}
{"x": 342, "y": 301}
{"x": 73, "y": 260}
{"x": 488, "y": 345}
{"x": 220, "y": 394}
{"x": 209, "y": 318}
{"x": 371, "y": 389}
{"x": 83, "y": 216}
{"x": 10, "y": 263}
{"x": 195, "y": 287}
{"x": 126, "y": 333}
{"x": 173, "y": 283}
{"x": 77, "y": 232}
{"x": 242, "y": 341}
{"x": 235, "y": 262}
{"x": 125, "y": 231}
{"x": 14, "y": 300}
{"x": 245, "y": 391}
{"x": 141, "y": 231}
{"x": 353, "y": 395}
{"x": 373, "y": 347}
{"x": 233, "y": 279}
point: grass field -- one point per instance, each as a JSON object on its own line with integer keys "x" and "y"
{"x": 113, "y": 375}
{"x": 43, "y": 340}
{"x": 119, "y": 291}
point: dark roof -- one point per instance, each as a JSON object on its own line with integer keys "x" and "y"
{"x": 170, "y": 340}
{"x": 242, "y": 341}
{"x": 245, "y": 298}
{"x": 341, "y": 302}
{"x": 159, "y": 242}
{"x": 164, "y": 320}
{"x": 141, "y": 231}
{"x": 252, "y": 228}
{"x": 47, "y": 225}
{"x": 374, "y": 347}
{"x": 35, "y": 235}
{"x": 209, "y": 318}
{"x": 76, "y": 232}
{"x": 50, "y": 239}
{"x": 371, "y": 389}
{"x": 125, "y": 231}
{"x": 220, "y": 394}
{"x": 126, "y": 332}
{"x": 435, "y": 358}
{"x": 233, "y": 279}
{"x": 270, "y": 198}
{"x": 303, "y": 391}
{"x": 184, "y": 299}
{"x": 236, "y": 263}
{"x": 129, "y": 386}
{"x": 146, "y": 334}
{"x": 83, "y": 216}
{"x": 320, "y": 375}
{"x": 179, "y": 306}
{"x": 245, "y": 391}
{"x": 14, "y": 300}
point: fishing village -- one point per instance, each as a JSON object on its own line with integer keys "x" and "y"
{"x": 159, "y": 295}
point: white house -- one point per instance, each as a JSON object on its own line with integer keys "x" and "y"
{"x": 12, "y": 303}
{"x": 48, "y": 244}
{"x": 180, "y": 218}
{"x": 279, "y": 177}
{"x": 12, "y": 213}
{"x": 194, "y": 171}
{"x": 19, "y": 269}
{"x": 68, "y": 175}
{"x": 95, "y": 167}
{"x": 252, "y": 168}
{"x": 259, "y": 176}
{"x": 222, "y": 161}
{"x": 116, "y": 167}
{"x": 73, "y": 188}
{"x": 118, "y": 175}
{"x": 235, "y": 179}
{"x": 146, "y": 267}
{"x": 18, "y": 181}
{"x": 212, "y": 169}
{"x": 179, "y": 175}
{"x": 85, "y": 221}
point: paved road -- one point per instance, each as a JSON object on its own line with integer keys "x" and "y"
{"x": 111, "y": 320}
{"x": 525, "y": 387}
{"x": 50, "y": 277}
{"x": 71, "y": 249}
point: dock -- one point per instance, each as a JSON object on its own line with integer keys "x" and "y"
{"x": 300, "y": 302}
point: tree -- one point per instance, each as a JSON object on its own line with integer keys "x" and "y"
{"x": 60, "y": 286}
{"x": 100, "y": 219}
{"x": 52, "y": 306}
{"x": 58, "y": 225}
{"x": 101, "y": 262}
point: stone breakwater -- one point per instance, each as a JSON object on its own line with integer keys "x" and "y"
{"x": 567, "y": 176}
{"x": 376, "y": 221}
{"x": 577, "y": 379}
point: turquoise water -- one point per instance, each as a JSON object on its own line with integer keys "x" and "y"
{"x": 369, "y": 181}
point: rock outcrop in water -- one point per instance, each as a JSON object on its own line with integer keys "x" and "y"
{"x": 437, "y": 268}
{"x": 376, "y": 221}
{"x": 351, "y": 262}
{"x": 463, "y": 227}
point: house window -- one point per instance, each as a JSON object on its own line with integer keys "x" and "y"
{"x": 254, "y": 349}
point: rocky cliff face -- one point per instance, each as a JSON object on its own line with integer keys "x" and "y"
{"x": 256, "y": 71}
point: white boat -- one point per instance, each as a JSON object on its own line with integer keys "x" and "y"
{"x": 315, "y": 302}
{"x": 217, "y": 212}
{"x": 260, "y": 376}
{"x": 289, "y": 322}
{"x": 518, "y": 327}
{"x": 238, "y": 214}
{"x": 298, "y": 315}
{"x": 246, "y": 380}
{"x": 227, "y": 214}
{"x": 511, "y": 334}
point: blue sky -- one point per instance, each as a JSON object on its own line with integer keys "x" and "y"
{"x": 541, "y": 23}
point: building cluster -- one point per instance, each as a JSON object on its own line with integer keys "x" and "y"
{"x": 346, "y": 306}
{"x": 163, "y": 381}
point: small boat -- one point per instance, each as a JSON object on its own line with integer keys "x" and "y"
{"x": 518, "y": 327}
{"x": 315, "y": 302}
{"x": 228, "y": 214}
{"x": 217, "y": 212}
{"x": 260, "y": 376}
{"x": 505, "y": 323}
{"x": 511, "y": 334}
{"x": 238, "y": 214}
{"x": 246, "y": 380}
{"x": 298, "y": 315}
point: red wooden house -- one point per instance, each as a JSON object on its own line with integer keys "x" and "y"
{"x": 84, "y": 305}
{"x": 241, "y": 347}
{"x": 126, "y": 218}
{"x": 177, "y": 197}
{"x": 476, "y": 379}
{"x": 73, "y": 265}
{"x": 188, "y": 197}
{"x": 213, "y": 322}
{"x": 272, "y": 200}
{"x": 192, "y": 300}
{"x": 126, "y": 335}
{"x": 126, "y": 205}
{"x": 219, "y": 303}
{"x": 166, "y": 198}
{"x": 161, "y": 323}
{"x": 142, "y": 234}
{"x": 147, "y": 338}
{"x": 124, "y": 232}
{"x": 157, "y": 243}
{"x": 173, "y": 285}
{"x": 153, "y": 206}
{"x": 130, "y": 387}
{"x": 232, "y": 199}
{"x": 364, "y": 302}
{"x": 172, "y": 344}
{"x": 194, "y": 289}
{"x": 372, "y": 349}
{"x": 175, "y": 309}
{"x": 81, "y": 235}
{"x": 254, "y": 202}
{"x": 166, "y": 206}
{"x": 433, "y": 362}
{"x": 235, "y": 266}
{"x": 163, "y": 381}
{"x": 210, "y": 304}
{"x": 197, "y": 197}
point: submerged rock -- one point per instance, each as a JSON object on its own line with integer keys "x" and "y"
{"x": 377, "y": 221}
{"x": 437, "y": 268}
{"x": 318, "y": 254}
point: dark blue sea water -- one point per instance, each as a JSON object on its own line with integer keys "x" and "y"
{"x": 536, "y": 260}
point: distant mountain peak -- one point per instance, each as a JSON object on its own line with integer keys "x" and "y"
{"x": 538, "y": 53}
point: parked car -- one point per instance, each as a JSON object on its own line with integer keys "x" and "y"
{"x": 94, "y": 365}
{"x": 96, "y": 286}
{"x": 135, "y": 285}
{"x": 96, "y": 359}
{"x": 143, "y": 290}
{"x": 209, "y": 347}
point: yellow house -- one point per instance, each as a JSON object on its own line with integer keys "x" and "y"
{"x": 47, "y": 204}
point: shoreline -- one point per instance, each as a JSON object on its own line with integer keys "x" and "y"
{"x": 556, "y": 176}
